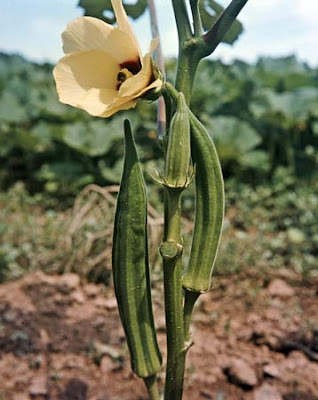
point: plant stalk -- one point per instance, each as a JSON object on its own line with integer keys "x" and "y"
{"x": 191, "y": 50}
{"x": 197, "y": 24}
{"x": 182, "y": 20}
{"x": 187, "y": 66}
{"x": 152, "y": 388}
{"x": 214, "y": 36}
{"x": 172, "y": 268}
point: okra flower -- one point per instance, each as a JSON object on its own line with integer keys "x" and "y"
{"x": 103, "y": 70}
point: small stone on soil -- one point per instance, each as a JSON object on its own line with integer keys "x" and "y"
{"x": 111, "y": 303}
{"x": 71, "y": 281}
{"x": 78, "y": 297}
{"x": 106, "y": 365}
{"x": 91, "y": 290}
{"x": 280, "y": 288}
{"x": 241, "y": 373}
{"x": 267, "y": 392}
{"x": 39, "y": 386}
{"x": 271, "y": 370}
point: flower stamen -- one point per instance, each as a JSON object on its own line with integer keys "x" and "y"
{"x": 128, "y": 69}
{"x": 123, "y": 75}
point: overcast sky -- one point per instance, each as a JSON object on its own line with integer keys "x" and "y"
{"x": 272, "y": 28}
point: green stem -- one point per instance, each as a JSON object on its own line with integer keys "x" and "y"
{"x": 191, "y": 49}
{"x": 182, "y": 20}
{"x": 171, "y": 91}
{"x": 214, "y": 36}
{"x": 172, "y": 268}
{"x": 187, "y": 66}
{"x": 152, "y": 388}
{"x": 172, "y": 217}
{"x": 197, "y": 24}
{"x": 185, "y": 70}
{"x": 174, "y": 323}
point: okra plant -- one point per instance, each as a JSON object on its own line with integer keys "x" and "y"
{"x": 102, "y": 72}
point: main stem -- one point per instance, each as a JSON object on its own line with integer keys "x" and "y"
{"x": 176, "y": 348}
{"x": 177, "y": 319}
{"x": 152, "y": 388}
{"x": 187, "y": 66}
{"x": 172, "y": 268}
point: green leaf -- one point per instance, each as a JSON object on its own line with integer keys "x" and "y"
{"x": 16, "y": 138}
{"x": 256, "y": 159}
{"x": 296, "y": 104}
{"x": 233, "y": 133}
{"x": 111, "y": 174}
{"x": 61, "y": 171}
{"x": 11, "y": 109}
{"x": 210, "y": 10}
{"x": 102, "y": 9}
{"x": 94, "y": 138}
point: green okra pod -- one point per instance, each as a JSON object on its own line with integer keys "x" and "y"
{"x": 131, "y": 268}
{"x": 209, "y": 210}
{"x": 179, "y": 150}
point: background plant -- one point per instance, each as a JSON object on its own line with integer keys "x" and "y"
{"x": 267, "y": 114}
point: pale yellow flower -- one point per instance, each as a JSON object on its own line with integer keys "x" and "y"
{"x": 103, "y": 70}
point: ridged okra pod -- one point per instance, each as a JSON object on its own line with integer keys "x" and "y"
{"x": 131, "y": 268}
{"x": 209, "y": 210}
{"x": 177, "y": 164}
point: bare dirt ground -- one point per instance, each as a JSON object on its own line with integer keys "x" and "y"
{"x": 255, "y": 338}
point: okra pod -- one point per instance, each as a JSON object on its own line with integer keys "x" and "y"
{"x": 178, "y": 152}
{"x": 209, "y": 210}
{"x": 131, "y": 266}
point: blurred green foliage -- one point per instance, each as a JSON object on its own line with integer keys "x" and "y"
{"x": 261, "y": 117}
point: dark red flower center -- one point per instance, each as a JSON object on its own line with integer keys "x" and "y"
{"x": 128, "y": 68}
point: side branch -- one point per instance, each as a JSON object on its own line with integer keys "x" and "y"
{"x": 197, "y": 24}
{"x": 214, "y": 36}
{"x": 182, "y": 20}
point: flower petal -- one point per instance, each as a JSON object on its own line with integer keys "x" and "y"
{"x": 88, "y": 33}
{"x": 96, "y": 101}
{"x": 121, "y": 46}
{"x": 155, "y": 84}
{"x": 79, "y": 72}
{"x": 113, "y": 109}
{"x": 123, "y": 23}
{"x": 85, "y": 33}
{"x": 153, "y": 45}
